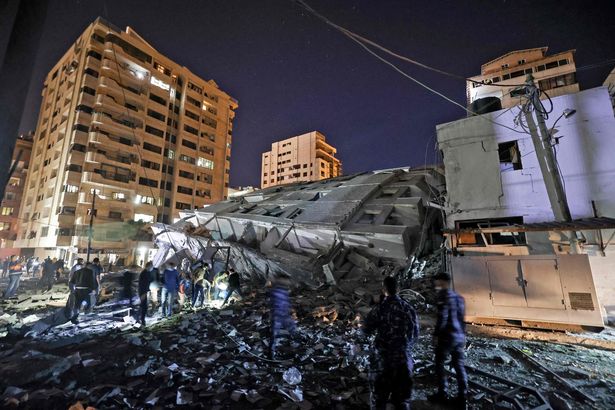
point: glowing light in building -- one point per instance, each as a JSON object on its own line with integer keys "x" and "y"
{"x": 160, "y": 84}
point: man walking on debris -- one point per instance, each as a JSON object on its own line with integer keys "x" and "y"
{"x": 279, "y": 301}
{"x": 449, "y": 338}
{"x": 396, "y": 326}
{"x": 170, "y": 276}
{"x": 145, "y": 279}
{"x": 15, "y": 270}
{"x": 234, "y": 285}
{"x": 48, "y": 274}
{"x": 82, "y": 284}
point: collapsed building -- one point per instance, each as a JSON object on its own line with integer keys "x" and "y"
{"x": 317, "y": 232}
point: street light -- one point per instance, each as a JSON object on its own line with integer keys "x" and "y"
{"x": 567, "y": 113}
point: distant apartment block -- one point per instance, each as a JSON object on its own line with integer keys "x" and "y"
{"x": 555, "y": 74}
{"x": 306, "y": 157}
{"x": 9, "y": 208}
{"x": 122, "y": 121}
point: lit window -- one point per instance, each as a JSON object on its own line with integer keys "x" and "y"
{"x": 71, "y": 188}
{"x": 120, "y": 196}
{"x": 205, "y": 163}
{"x": 14, "y": 181}
{"x": 171, "y": 154}
{"x": 142, "y": 199}
{"x": 7, "y": 210}
{"x": 144, "y": 218}
{"x": 160, "y": 84}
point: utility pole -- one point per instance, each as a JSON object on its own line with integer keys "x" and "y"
{"x": 541, "y": 139}
{"x": 90, "y": 231}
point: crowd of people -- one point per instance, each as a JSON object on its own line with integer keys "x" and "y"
{"x": 392, "y": 320}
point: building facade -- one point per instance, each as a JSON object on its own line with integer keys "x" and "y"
{"x": 306, "y": 157}
{"x": 609, "y": 83}
{"x": 555, "y": 74}
{"x": 502, "y": 224}
{"x": 124, "y": 126}
{"x": 9, "y": 208}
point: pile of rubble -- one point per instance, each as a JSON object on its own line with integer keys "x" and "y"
{"x": 217, "y": 359}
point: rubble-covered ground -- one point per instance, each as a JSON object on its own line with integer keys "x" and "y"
{"x": 216, "y": 358}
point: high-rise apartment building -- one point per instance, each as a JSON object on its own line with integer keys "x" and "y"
{"x": 555, "y": 74}
{"x": 306, "y": 157}
{"x": 121, "y": 121}
{"x": 13, "y": 193}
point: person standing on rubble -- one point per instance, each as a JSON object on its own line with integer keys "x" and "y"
{"x": 78, "y": 265}
{"x": 97, "y": 268}
{"x": 145, "y": 279}
{"x": 449, "y": 338}
{"x": 234, "y": 285}
{"x": 198, "y": 294}
{"x": 395, "y": 324}
{"x": 82, "y": 284}
{"x": 15, "y": 269}
{"x": 48, "y": 276}
{"x": 279, "y": 300}
{"x": 170, "y": 276}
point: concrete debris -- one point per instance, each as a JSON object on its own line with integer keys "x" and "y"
{"x": 316, "y": 232}
{"x": 292, "y": 376}
{"x": 218, "y": 359}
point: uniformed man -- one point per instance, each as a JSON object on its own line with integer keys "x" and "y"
{"x": 449, "y": 338}
{"x": 396, "y": 326}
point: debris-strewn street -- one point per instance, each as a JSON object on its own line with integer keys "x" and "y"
{"x": 215, "y": 358}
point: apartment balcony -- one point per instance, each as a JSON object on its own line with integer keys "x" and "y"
{"x": 105, "y": 138}
{"x": 115, "y": 105}
{"x": 124, "y": 74}
{"x": 103, "y": 156}
{"x": 103, "y": 177}
{"x": 110, "y": 86}
{"x": 107, "y": 201}
{"x": 122, "y": 124}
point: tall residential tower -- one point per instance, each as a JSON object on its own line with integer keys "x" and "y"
{"x": 123, "y": 122}
{"x": 306, "y": 157}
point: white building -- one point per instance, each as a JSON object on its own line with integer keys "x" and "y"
{"x": 494, "y": 180}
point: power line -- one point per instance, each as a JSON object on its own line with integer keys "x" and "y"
{"x": 390, "y": 52}
{"x": 399, "y": 70}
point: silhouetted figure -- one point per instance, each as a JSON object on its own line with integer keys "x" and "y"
{"x": 396, "y": 326}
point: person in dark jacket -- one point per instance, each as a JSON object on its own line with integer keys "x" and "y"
{"x": 15, "y": 270}
{"x": 281, "y": 320}
{"x": 48, "y": 276}
{"x": 396, "y": 326}
{"x": 449, "y": 338}
{"x": 234, "y": 285}
{"x": 82, "y": 284}
{"x": 145, "y": 279}
{"x": 170, "y": 277}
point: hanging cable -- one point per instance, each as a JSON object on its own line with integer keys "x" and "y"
{"x": 362, "y": 39}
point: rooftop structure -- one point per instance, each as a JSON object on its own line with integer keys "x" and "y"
{"x": 555, "y": 74}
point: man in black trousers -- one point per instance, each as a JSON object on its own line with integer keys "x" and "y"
{"x": 145, "y": 279}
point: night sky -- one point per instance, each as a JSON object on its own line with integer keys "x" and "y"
{"x": 293, "y": 74}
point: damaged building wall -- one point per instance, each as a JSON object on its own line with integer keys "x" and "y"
{"x": 384, "y": 215}
{"x": 493, "y": 177}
